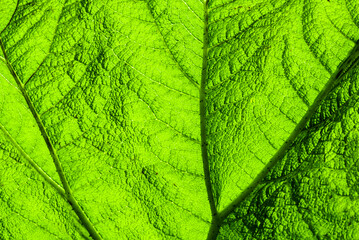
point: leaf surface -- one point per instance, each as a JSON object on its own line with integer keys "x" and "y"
{"x": 179, "y": 119}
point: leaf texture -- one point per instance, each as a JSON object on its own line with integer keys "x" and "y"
{"x": 181, "y": 119}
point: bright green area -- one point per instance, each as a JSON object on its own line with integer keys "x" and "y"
{"x": 116, "y": 87}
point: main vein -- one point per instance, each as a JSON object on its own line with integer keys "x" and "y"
{"x": 68, "y": 193}
{"x": 32, "y": 162}
{"x": 213, "y": 232}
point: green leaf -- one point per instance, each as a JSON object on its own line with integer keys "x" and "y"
{"x": 181, "y": 119}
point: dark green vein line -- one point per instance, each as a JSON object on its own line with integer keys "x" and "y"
{"x": 68, "y": 193}
{"x": 52, "y": 42}
{"x": 12, "y": 16}
{"x": 345, "y": 67}
{"x": 169, "y": 50}
{"x": 213, "y": 231}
